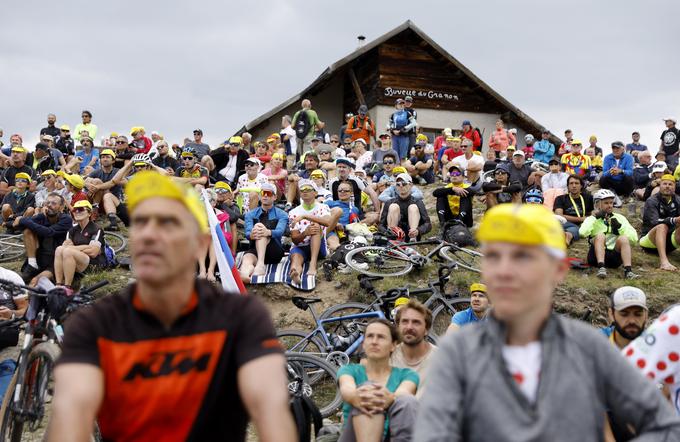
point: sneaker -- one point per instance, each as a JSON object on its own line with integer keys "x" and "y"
{"x": 602, "y": 272}
{"x": 287, "y": 207}
{"x": 359, "y": 265}
{"x": 421, "y": 180}
{"x": 630, "y": 275}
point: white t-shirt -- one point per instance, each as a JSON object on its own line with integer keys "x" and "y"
{"x": 524, "y": 364}
{"x": 318, "y": 210}
{"x": 245, "y": 183}
{"x": 554, "y": 181}
{"x": 365, "y": 159}
{"x": 229, "y": 171}
{"x": 293, "y": 138}
{"x": 657, "y": 352}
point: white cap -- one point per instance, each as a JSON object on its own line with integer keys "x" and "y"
{"x": 627, "y": 296}
{"x": 307, "y": 183}
{"x": 518, "y": 152}
{"x": 360, "y": 140}
{"x": 268, "y": 186}
{"x": 255, "y": 160}
{"x": 405, "y": 177}
{"x": 673, "y": 119}
{"x": 659, "y": 166}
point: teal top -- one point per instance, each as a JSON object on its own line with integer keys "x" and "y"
{"x": 358, "y": 372}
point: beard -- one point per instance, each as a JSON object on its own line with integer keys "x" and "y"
{"x": 411, "y": 340}
{"x": 625, "y": 334}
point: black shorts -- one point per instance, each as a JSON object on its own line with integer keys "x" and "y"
{"x": 645, "y": 241}
{"x": 274, "y": 253}
{"x": 612, "y": 258}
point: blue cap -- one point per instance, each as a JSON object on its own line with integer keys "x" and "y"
{"x": 467, "y": 122}
{"x": 346, "y": 161}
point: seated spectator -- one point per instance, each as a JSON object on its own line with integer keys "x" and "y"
{"x": 191, "y": 171}
{"x": 64, "y": 143}
{"x": 345, "y": 167}
{"x": 20, "y": 201}
{"x": 500, "y": 190}
{"x": 262, "y": 152}
{"x": 74, "y": 190}
{"x": 229, "y": 159}
{"x": 413, "y": 320}
{"x": 140, "y": 142}
{"x": 42, "y": 234}
{"x": 55, "y": 154}
{"x": 610, "y": 235}
{"x": 428, "y": 148}
{"x": 661, "y": 221}
{"x": 12, "y": 305}
{"x": 308, "y": 223}
{"x": 43, "y": 159}
{"x": 533, "y": 195}
{"x": 277, "y": 173}
{"x": 617, "y": 174}
{"x": 555, "y": 179}
{"x": 17, "y": 164}
{"x": 635, "y": 148}
{"x": 362, "y": 158}
{"x": 491, "y": 160}
{"x": 345, "y": 211}
{"x": 250, "y": 183}
{"x": 86, "y": 159}
{"x": 319, "y": 178}
{"x": 574, "y": 206}
{"x": 595, "y": 165}
{"x": 326, "y": 162}
{"x": 421, "y": 166}
{"x": 164, "y": 159}
{"x": 440, "y": 142}
{"x": 47, "y": 186}
{"x": 406, "y": 212}
{"x": 379, "y": 399}
{"x": 104, "y": 191}
{"x": 576, "y": 163}
{"x": 462, "y": 161}
{"x": 454, "y": 201}
{"x": 521, "y": 172}
{"x": 627, "y": 315}
{"x": 336, "y": 148}
{"x": 83, "y": 247}
{"x": 479, "y": 306}
{"x": 310, "y": 163}
{"x": 642, "y": 172}
{"x": 658, "y": 170}
{"x": 124, "y": 152}
{"x": 453, "y": 149}
{"x": 389, "y": 160}
{"x": 225, "y": 203}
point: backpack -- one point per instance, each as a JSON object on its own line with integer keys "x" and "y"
{"x": 302, "y": 125}
{"x": 400, "y": 118}
{"x": 111, "y": 260}
{"x": 481, "y": 139}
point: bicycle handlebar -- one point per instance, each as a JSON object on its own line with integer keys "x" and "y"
{"x": 94, "y": 287}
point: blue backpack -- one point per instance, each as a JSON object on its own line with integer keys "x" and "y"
{"x": 400, "y": 118}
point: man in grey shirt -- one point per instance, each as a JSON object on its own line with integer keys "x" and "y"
{"x": 528, "y": 374}
{"x": 199, "y": 146}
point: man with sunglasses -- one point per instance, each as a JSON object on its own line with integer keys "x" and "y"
{"x": 338, "y": 151}
{"x": 310, "y": 163}
{"x": 421, "y": 165}
{"x": 163, "y": 158}
{"x": 347, "y": 211}
{"x": 191, "y": 171}
{"x": 362, "y": 158}
{"x": 265, "y": 226}
{"x": 226, "y": 203}
{"x": 198, "y": 145}
{"x": 501, "y": 190}
{"x": 389, "y": 160}
{"x": 123, "y": 151}
{"x": 454, "y": 201}
{"x": 405, "y": 211}
{"x": 103, "y": 189}
{"x": 86, "y": 159}
{"x": 230, "y": 161}
{"x": 64, "y": 142}
{"x": 344, "y": 167}
{"x": 85, "y": 126}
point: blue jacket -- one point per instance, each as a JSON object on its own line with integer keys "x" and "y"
{"x": 625, "y": 164}
{"x": 544, "y": 150}
{"x": 281, "y": 217}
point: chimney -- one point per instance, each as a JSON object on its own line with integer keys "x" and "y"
{"x": 360, "y": 41}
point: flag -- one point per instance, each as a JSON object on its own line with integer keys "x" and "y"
{"x": 231, "y": 280}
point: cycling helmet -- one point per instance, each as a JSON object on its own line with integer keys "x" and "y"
{"x": 528, "y": 138}
{"x": 188, "y": 152}
{"x": 398, "y": 233}
{"x": 603, "y": 194}
{"x": 533, "y": 196}
{"x": 141, "y": 158}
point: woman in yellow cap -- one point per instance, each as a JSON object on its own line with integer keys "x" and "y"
{"x": 82, "y": 248}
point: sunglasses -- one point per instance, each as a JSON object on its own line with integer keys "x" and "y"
{"x": 402, "y": 184}
{"x": 121, "y": 142}
{"x": 80, "y": 209}
{"x": 234, "y": 144}
{"x": 251, "y": 164}
{"x": 267, "y": 193}
{"x": 419, "y": 147}
{"x": 534, "y": 200}
{"x": 324, "y": 153}
{"x": 388, "y": 162}
{"x": 456, "y": 173}
{"x": 306, "y": 189}
{"x": 344, "y": 191}
{"x": 334, "y": 141}
{"x": 384, "y": 137}
{"x": 187, "y": 158}
{"x": 21, "y": 180}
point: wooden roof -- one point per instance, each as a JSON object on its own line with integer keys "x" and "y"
{"x": 408, "y": 27}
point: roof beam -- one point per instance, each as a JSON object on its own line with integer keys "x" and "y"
{"x": 355, "y": 85}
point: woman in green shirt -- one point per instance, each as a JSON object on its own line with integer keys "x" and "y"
{"x": 379, "y": 399}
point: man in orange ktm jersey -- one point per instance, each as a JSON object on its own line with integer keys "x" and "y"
{"x": 170, "y": 357}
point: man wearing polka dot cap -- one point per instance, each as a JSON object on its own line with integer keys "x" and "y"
{"x": 527, "y": 373}
{"x": 656, "y": 353}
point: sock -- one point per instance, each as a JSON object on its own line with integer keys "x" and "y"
{"x": 33, "y": 262}
{"x": 600, "y": 264}
{"x": 627, "y": 269}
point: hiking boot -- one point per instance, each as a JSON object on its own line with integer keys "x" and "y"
{"x": 628, "y": 274}
{"x": 602, "y": 272}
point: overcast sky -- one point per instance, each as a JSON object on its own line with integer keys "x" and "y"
{"x": 604, "y": 67}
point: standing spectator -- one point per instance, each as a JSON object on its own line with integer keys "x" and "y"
{"x": 635, "y": 147}
{"x": 670, "y": 140}
{"x": 64, "y": 142}
{"x": 575, "y": 163}
{"x": 140, "y": 142}
{"x": 50, "y": 130}
{"x": 528, "y": 150}
{"x": 305, "y": 123}
{"x": 198, "y": 145}
{"x": 413, "y": 114}
{"x": 400, "y": 125}
{"x": 288, "y": 136}
{"x": 230, "y": 161}
{"x": 85, "y": 126}
{"x": 544, "y": 150}
{"x": 566, "y": 146}
{"x": 617, "y": 173}
{"x": 500, "y": 139}
{"x": 471, "y": 134}
{"x": 361, "y": 126}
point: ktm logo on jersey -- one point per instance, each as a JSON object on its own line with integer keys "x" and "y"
{"x": 167, "y": 363}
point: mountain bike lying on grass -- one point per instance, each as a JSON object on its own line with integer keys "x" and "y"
{"x": 311, "y": 378}
{"x": 23, "y": 406}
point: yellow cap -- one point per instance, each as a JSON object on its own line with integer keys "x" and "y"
{"x": 401, "y": 301}
{"x": 108, "y": 152}
{"x": 23, "y": 175}
{"x": 477, "y": 287}
{"x": 421, "y": 137}
{"x": 317, "y": 173}
{"x": 511, "y": 147}
{"x": 18, "y": 149}
{"x": 450, "y": 138}
{"x": 274, "y": 135}
{"x": 61, "y": 173}
{"x": 75, "y": 180}
{"x": 576, "y": 142}
{"x": 83, "y": 203}
{"x": 664, "y": 177}
{"x": 65, "y": 127}
{"x": 237, "y": 139}
{"x": 397, "y": 170}
{"x": 48, "y": 172}
{"x": 527, "y": 224}
{"x": 279, "y": 155}
{"x": 136, "y": 129}
{"x": 150, "y": 184}
{"x": 272, "y": 140}
{"x": 222, "y": 185}
{"x": 592, "y": 138}
{"x": 113, "y": 135}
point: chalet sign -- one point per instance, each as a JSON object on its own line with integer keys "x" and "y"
{"x": 415, "y": 93}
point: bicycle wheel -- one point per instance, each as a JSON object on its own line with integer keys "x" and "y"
{"x": 319, "y": 379}
{"x": 467, "y": 259}
{"x": 297, "y": 341}
{"x": 11, "y": 247}
{"x": 348, "y": 308}
{"x": 36, "y": 384}
{"x": 378, "y": 261}
{"x": 116, "y": 241}
{"x": 442, "y": 314}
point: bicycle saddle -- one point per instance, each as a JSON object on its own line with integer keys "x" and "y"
{"x": 303, "y": 303}
{"x": 394, "y": 294}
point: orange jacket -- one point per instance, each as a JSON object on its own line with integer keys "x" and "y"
{"x": 500, "y": 140}
{"x": 358, "y": 127}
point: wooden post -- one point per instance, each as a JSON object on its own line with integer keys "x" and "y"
{"x": 355, "y": 85}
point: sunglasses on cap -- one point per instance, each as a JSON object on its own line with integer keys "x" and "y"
{"x": 267, "y": 193}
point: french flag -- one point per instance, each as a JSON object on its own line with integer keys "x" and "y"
{"x": 231, "y": 280}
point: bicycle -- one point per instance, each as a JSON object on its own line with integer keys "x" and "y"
{"x": 312, "y": 377}
{"x": 442, "y": 305}
{"x": 395, "y": 258}
{"x": 115, "y": 240}
{"x": 25, "y": 399}
{"x": 11, "y": 247}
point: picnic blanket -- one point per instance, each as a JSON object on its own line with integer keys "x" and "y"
{"x": 280, "y": 273}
